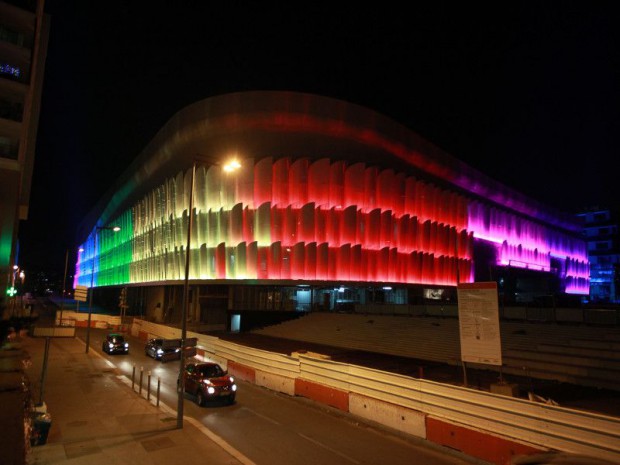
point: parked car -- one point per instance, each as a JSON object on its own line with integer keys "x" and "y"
{"x": 207, "y": 381}
{"x": 115, "y": 343}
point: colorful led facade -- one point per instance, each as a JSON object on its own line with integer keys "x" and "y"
{"x": 327, "y": 191}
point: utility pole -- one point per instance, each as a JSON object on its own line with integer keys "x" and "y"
{"x": 64, "y": 287}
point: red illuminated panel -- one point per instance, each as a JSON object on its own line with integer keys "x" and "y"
{"x": 298, "y": 186}
{"x": 304, "y": 228}
{"x": 319, "y": 183}
{"x": 336, "y": 185}
{"x": 281, "y": 183}
{"x": 317, "y": 221}
{"x": 354, "y": 182}
{"x": 262, "y": 182}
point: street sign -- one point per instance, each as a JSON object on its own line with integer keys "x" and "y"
{"x": 122, "y": 299}
{"x": 81, "y": 293}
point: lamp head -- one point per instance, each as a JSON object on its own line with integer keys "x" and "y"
{"x": 231, "y": 166}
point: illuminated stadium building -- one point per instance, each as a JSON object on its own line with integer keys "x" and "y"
{"x": 333, "y": 206}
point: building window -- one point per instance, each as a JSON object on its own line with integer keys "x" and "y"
{"x": 10, "y": 71}
{"x": 8, "y": 149}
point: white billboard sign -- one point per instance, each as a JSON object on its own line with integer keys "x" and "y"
{"x": 479, "y": 323}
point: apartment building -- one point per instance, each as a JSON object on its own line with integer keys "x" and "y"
{"x": 24, "y": 31}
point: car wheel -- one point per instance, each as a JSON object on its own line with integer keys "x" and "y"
{"x": 200, "y": 398}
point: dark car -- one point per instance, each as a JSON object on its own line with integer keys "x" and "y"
{"x": 163, "y": 349}
{"x": 115, "y": 343}
{"x": 208, "y": 381}
{"x": 169, "y": 349}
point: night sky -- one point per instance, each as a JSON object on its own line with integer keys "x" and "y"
{"x": 526, "y": 92}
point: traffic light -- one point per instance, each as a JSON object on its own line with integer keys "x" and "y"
{"x": 11, "y": 291}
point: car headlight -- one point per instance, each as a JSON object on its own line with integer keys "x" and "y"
{"x": 160, "y": 351}
{"x": 177, "y": 350}
{"x": 110, "y": 345}
{"x": 126, "y": 345}
{"x": 232, "y": 380}
{"x": 233, "y": 387}
{"x": 211, "y": 390}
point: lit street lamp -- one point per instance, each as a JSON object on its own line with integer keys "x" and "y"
{"x": 231, "y": 166}
{"x": 92, "y": 279}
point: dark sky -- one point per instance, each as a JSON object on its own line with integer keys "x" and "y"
{"x": 527, "y": 92}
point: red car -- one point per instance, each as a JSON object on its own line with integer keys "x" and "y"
{"x": 208, "y": 381}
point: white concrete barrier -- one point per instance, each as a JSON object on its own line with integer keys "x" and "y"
{"x": 410, "y": 405}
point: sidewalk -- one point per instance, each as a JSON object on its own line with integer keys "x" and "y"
{"x": 96, "y": 417}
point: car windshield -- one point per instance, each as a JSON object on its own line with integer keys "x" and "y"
{"x": 117, "y": 339}
{"x": 210, "y": 371}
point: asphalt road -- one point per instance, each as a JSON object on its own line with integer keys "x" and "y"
{"x": 276, "y": 429}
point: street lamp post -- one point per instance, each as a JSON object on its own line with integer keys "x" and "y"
{"x": 64, "y": 286}
{"x": 13, "y": 292}
{"x": 181, "y": 380}
{"x": 228, "y": 167}
{"x": 92, "y": 280}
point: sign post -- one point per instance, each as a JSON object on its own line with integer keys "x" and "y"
{"x": 47, "y": 333}
{"x": 80, "y": 294}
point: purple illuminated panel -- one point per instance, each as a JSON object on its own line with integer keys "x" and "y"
{"x": 525, "y": 244}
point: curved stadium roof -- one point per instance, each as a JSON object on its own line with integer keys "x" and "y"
{"x": 298, "y": 125}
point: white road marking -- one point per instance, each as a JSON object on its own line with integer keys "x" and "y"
{"x": 220, "y": 442}
{"x": 333, "y": 451}
{"x": 264, "y": 417}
